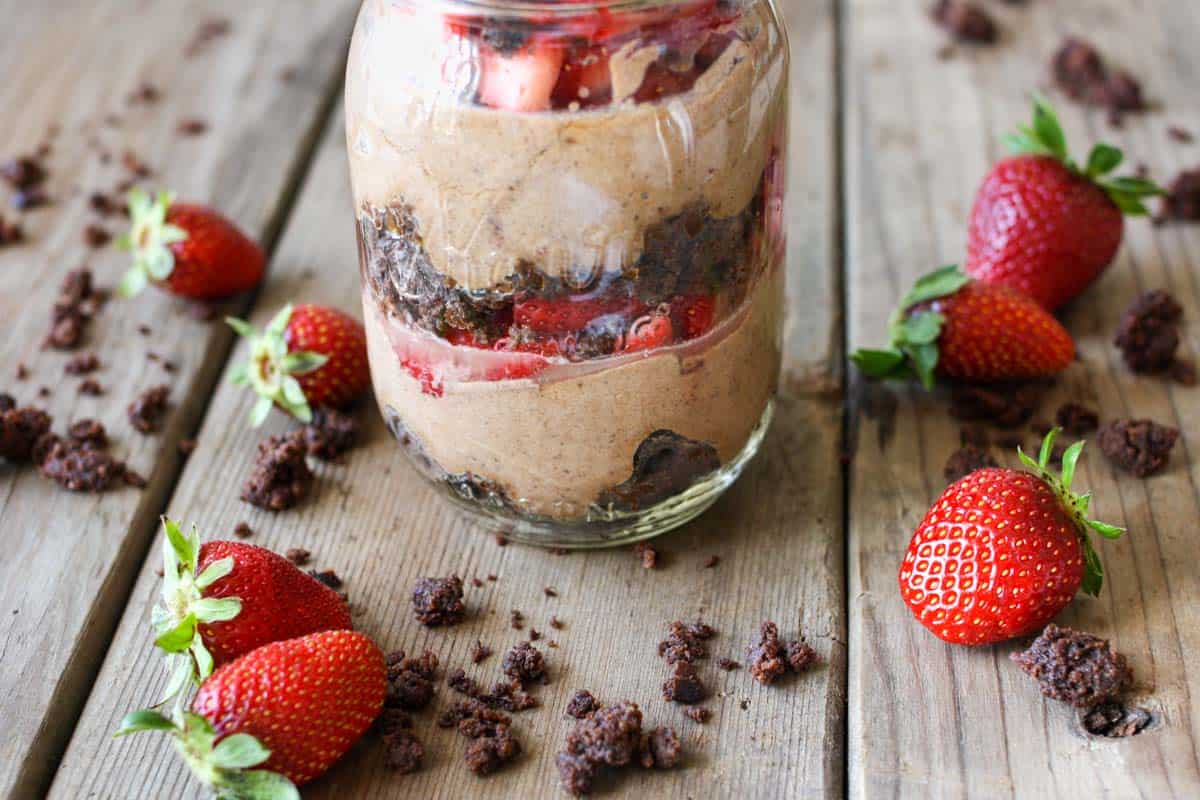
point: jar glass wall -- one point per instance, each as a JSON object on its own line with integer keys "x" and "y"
{"x": 571, "y": 243}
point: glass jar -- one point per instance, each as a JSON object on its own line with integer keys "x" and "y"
{"x": 570, "y": 220}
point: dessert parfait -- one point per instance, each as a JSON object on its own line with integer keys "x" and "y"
{"x": 571, "y": 244}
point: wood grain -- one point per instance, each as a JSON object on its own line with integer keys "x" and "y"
{"x": 931, "y": 720}
{"x": 69, "y": 561}
{"x": 778, "y": 534}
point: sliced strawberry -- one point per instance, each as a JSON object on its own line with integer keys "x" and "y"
{"x": 649, "y": 333}
{"x": 522, "y": 81}
{"x": 569, "y": 314}
{"x": 431, "y": 383}
{"x": 585, "y": 78}
{"x": 693, "y": 315}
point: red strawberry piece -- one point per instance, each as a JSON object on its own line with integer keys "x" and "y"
{"x": 431, "y": 383}
{"x": 571, "y": 313}
{"x": 648, "y": 333}
{"x": 223, "y": 599}
{"x": 189, "y": 250}
{"x": 585, "y": 78}
{"x": 1002, "y": 552}
{"x": 1045, "y": 225}
{"x": 693, "y": 315}
{"x": 953, "y": 327}
{"x": 277, "y": 717}
{"x": 308, "y": 356}
{"x": 522, "y": 80}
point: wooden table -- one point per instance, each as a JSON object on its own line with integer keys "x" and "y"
{"x": 889, "y": 140}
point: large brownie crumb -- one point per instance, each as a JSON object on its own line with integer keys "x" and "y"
{"x": 330, "y": 434}
{"x": 664, "y": 464}
{"x": 438, "y": 601}
{"x": 965, "y": 20}
{"x": 1076, "y": 419}
{"x": 20, "y": 429}
{"x": 82, "y": 468}
{"x": 1074, "y": 667}
{"x": 1115, "y": 720}
{"x": 582, "y": 703}
{"x": 965, "y": 460}
{"x": 1080, "y": 71}
{"x": 404, "y": 752}
{"x": 492, "y": 741}
{"x": 410, "y": 680}
{"x": 1138, "y": 445}
{"x": 88, "y": 432}
{"x": 612, "y": 736}
{"x": 685, "y": 642}
{"x": 684, "y": 685}
{"x": 147, "y": 411}
{"x": 281, "y": 478}
{"x": 1004, "y": 406}
{"x": 524, "y": 663}
{"x": 1148, "y": 334}
{"x": 770, "y": 658}
{"x": 1181, "y": 203}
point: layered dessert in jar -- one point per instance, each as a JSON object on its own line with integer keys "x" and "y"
{"x": 571, "y": 243}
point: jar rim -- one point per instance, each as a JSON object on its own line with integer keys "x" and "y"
{"x": 555, "y": 8}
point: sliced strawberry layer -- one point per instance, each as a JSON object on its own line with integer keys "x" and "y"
{"x": 459, "y": 358}
{"x": 569, "y": 314}
{"x": 649, "y": 333}
{"x": 521, "y": 81}
{"x": 693, "y": 315}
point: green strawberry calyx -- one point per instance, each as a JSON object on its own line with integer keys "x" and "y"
{"x": 914, "y": 330}
{"x": 1045, "y": 137}
{"x": 223, "y": 765}
{"x": 1076, "y": 505}
{"x": 150, "y": 239}
{"x": 183, "y": 608}
{"x": 271, "y": 370}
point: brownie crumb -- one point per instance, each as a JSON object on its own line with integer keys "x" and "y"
{"x": 582, "y": 703}
{"x": 147, "y": 411}
{"x": 534, "y": 635}
{"x": 1076, "y": 419}
{"x": 1138, "y": 446}
{"x": 728, "y": 664}
{"x": 492, "y": 578}
{"x": 698, "y": 714}
{"x": 7, "y": 402}
{"x": 243, "y": 531}
{"x": 95, "y": 236}
{"x": 24, "y": 172}
{"x": 410, "y": 680}
{"x": 1181, "y": 203}
{"x": 281, "y": 478}
{"x": 612, "y": 736}
{"x": 144, "y": 330}
{"x": 327, "y": 577}
{"x": 208, "y": 32}
{"x": 1114, "y": 720}
{"x": 82, "y": 364}
{"x": 480, "y": 652}
{"x": 459, "y": 681}
{"x": 556, "y": 623}
{"x": 660, "y": 748}
{"x": 44, "y": 391}
{"x": 10, "y": 233}
{"x": 501, "y": 540}
{"x": 404, "y": 752}
{"x": 186, "y": 447}
{"x": 648, "y": 555}
{"x": 82, "y": 468}
{"x": 22, "y": 371}
{"x": 965, "y": 460}
{"x": 438, "y": 601}
{"x": 685, "y": 642}
{"x": 550, "y": 591}
{"x": 516, "y": 620}
{"x": 192, "y": 127}
{"x": 492, "y": 744}
{"x": 330, "y": 434}
{"x": 712, "y": 562}
{"x": 524, "y": 663}
{"x": 145, "y": 94}
{"x": 1148, "y": 334}
{"x": 298, "y": 556}
{"x": 90, "y": 387}
{"x": 770, "y": 658}
{"x": 1003, "y": 406}
{"x": 77, "y": 302}
{"x": 478, "y": 584}
{"x": 88, "y": 432}
{"x": 1180, "y": 134}
{"x": 1074, "y": 667}
{"x": 684, "y": 685}
{"x": 1183, "y": 372}
{"x": 20, "y": 430}
{"x": 1080, "y": 71}
{"x": 966, "y": 21}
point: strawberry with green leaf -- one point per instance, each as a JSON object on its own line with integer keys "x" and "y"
{"x": 308, "y": 356}
{"x": 1046, "y": 225}
{"x": 1003, "y": 551}
{"x": 189, "y": 250}
{"x": 220, "y": 600}
{"x": 951, "y": 326}
{"x": 278, "y": 717}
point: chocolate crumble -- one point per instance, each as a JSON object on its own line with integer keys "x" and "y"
{"x": 965, "y": 460}
{"x": 1138, "y": 446}
{"x": 647, "y": 553}
{"x": 147, "y": 411}
{"x": 90, "y": 387}
{"x": 82, "y": 364}
{"x": 612, "y": 736}
{"x": 298, "y": 556}
{"x": 1007, "y": 406}
{"x": 1181, "y": 203}
{"x": 770, "y": 658}
{"x": 438, "y": 601}
{"x": 1074, "y": 667}
{"x": 1080, "y": 71}
{"x": 480, "y": 652}
{"x": 1148, "y": 334}
{"x": 243, "y": 531}
{"x": 698, "y": 714}
{"x": 327, "y": 577}
{"x": 330, "y": 434}
{"x": 20, "y": 429}
{"x": 524, "y": 663}
{"x": 82, "y": 468}
{"x": 1114, "y": 720}
{"x": 88, "y": 432}
{"x": 684, "y": 685}
{"x": 410, "y": 681}
{"x": 965, "y": 20}
{"x": 1076, "y": 419}
{"x": 582, "y": 703}
{"x": 281, "y": 478}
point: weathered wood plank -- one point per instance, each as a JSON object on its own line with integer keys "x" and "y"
{"x": 374, "y": 521}
{"x": 71, "y": 560}
{"x": 931, "y": 720}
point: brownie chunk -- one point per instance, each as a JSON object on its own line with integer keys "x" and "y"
{"x": 88, "y": 432}
{"x": 410, "y": 680}
{"x": 1080, "y": 71}
{"x": 82, "y": 468}
{"x": 1114, "y": 720}
{"x": 1005, "y": 406}
{"x": 525, "y": 663}
{"x": 23, "y": 172}
{"x": 1076, "y": 419}
{"x": 147, "y": 411}
{"x": 612, "y": 736}
{"x": 438, "y": 601}
{"x": 660, "y": 748}
{"x": 771, "y": 658}
{"x": 1181, "y": 203}
{"x": 330, "y": 434}
{"x": 480, "y": 651}
{"x": 664, "y": 465}
{"x": 281, "y": 478}
{"x": 582, "y": 704}
{"x": 20, "y": 429}
{"x": 492, "y": 742}
{"x": 684, "y": 685}
{"x": 1138, "y": 445}
{"x": 966, "y": 21}
{"x": 82, "y": 364}
{"x": 646, "y": 552}
{"x": 7, "y": 402}
{"x": 1074, "y": 667}
{"x": 78, "y": 301}
{"x": 965, "y": 460}
{"x": 697, "y": 714}
{"x": 1148, "y": 334}
{"x": 403, "y": 750}
{"x": 685, "y": 642}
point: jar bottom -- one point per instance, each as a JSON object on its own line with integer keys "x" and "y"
{"x": 615, "y": 528}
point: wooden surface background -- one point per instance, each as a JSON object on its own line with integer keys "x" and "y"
{"x": 889, "y": 140}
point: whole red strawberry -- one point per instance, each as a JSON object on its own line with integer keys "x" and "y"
{"x": 953, "y": 327}
{"x": 291, "y": 709}
{"x": 1044, "y": 225}
{"x": 189, "y": 250}
{"x": 308, "y": 356}
{"x": 1001, "y": 552}
{"x": 223, "y": 599}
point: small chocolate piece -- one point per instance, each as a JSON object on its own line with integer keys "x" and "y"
{"x": 95, "y": 236}
{"x": 711, "y": 562}
{"x": 1076, "y": 419}
{"x": 147, "y": 411}
{"x": 966, "y": 21}
{"x": 1148, "y": 334}
{"x": 1139, "y": 446}
{"x": 192, "y": 127}
{"x": 486, "y": 754}
{"x": 1181, "y": 203}
{"x": 647, "y": 553}
{"x": 82, "y": 468}
{"x": 965, "y": 460}
{"x": 800, "y": 656}
{"x": 243, "y": 531}
{"x": 20, "y": 429}
{"x": 660, "y": 748}
{"x": 582, "y": 703}
{"x": 186, "y": 447}
{"x": 410, "y": 680}
{"x": 770, "y": 658}
{"x": 1006, "y": 406}
{"x": 1114, "y": 720}
{"x": 90, "y": 387}
{"x": 697, "y": 714}
{"x": 1081, "y": 73}
{"x": 612, "y": 736}
{"x": 556, "y": 623}
{"x": 549, "y": 591}
{"x": 404, "y": 752}
{"x": 524, "y": 663}
{"x": 23, "y": 173}
{"x": 1074, "y": 667}
{"x": 728, "y": 664}
{"x": 1180, "y": 134}
{"x": 516, "y": 620}
{"x": 685, "y": 642}
{"x": 330, "y": 434}
{"x": 327, "y": 577}
{"x": 684, "y": 685}
{"x": 664, "y": 465}
{"x": 82, "y": 364}
{"x": 480, "y": 652}
{"x": 438, "y": 601}
{"x": 281, "y": 478}
{"x": 298, "y": 556}
{"x": 88, "y": 432}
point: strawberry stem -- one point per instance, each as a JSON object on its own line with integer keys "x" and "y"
{"x": 149, "y": 239}
{"x": 271, "y": 368}
{"x": 1077, "y": 505}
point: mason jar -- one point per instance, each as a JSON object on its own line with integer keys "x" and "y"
{"x": 571, "y": 244}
